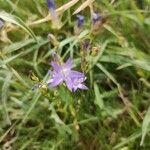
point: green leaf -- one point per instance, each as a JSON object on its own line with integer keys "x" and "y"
{"x": 127, "y": 140}
{"x": 145, "y": 125}
{"x": 4, "y": 95}
{"x": 98, "y": 99}
{"x": 107, "y": 74}
{"x": 16, "y": 46}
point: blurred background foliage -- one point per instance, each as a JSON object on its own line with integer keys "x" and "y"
{"x": 113, "y": 114}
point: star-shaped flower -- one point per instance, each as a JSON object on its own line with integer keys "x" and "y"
{"x": 64, "y": 73}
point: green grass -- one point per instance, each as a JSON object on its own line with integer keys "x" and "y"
{"x": 113, "y": 114}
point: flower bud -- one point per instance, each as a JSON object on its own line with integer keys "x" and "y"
{"x": 79, "y": 25}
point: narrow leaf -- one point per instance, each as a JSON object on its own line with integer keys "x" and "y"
{"x": 98, "y": 99}
{"x": 145, "y": 125}
{"x": 107, "y": 74}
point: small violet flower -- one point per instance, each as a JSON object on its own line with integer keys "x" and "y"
{"x": 54, "y": 16}
{"x": 80, "y": 21}
{"x": 64, "y": 73}
{"x": 51, "y": 4}
{"x": 79, "y": 24}
{"x": 96, "y": 18}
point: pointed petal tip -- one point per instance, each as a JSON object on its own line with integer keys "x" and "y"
{"x": 83, "y": 87}
{"x": 69, "y": 63}
{"x": 55, "y": 66}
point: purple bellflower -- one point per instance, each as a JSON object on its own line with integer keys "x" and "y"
{"x": 64, "y": 73}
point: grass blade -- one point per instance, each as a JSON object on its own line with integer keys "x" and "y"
{"x": 99, "y": 99}
{"x": 146, "y": 123}
{"x": 4, "y": 95}
{"x": 108, "y": 74}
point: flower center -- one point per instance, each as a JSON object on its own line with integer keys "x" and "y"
{"x": 65, "y": 72}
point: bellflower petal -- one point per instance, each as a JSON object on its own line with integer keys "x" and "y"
{"x": 82, "y": 86}
{"x": 76, "y": 74}
{"x": 49, "y": 81}
{"x": 69, "y": 84}
{"x": 77, "y": 83}
{"x": 56, "y": 66}
{"x": 55, "y": 81}
{"x": 69, "y": 64}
